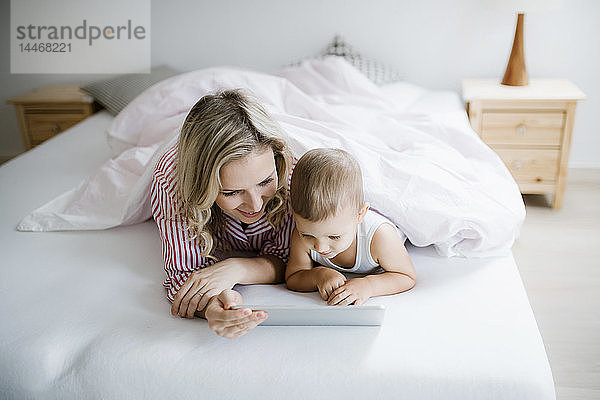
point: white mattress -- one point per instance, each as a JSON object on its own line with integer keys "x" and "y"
{"x": 84, "y": 316}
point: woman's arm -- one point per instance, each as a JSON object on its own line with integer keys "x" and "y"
{"x": 207, "y": 282}
{"x": 227, "y": 322}
{"x": 181, "y": 253}
{"x": 262, "y": 269}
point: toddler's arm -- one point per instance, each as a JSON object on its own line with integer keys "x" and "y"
{"x": 302, "y": 277}
{"x": 387, "y": 249}
{"x": 389, "y": 252}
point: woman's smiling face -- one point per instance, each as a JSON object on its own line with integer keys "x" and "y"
{"x": 247, "y": 185}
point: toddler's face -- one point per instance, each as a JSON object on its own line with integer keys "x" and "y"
{"x": 331, "y": 236}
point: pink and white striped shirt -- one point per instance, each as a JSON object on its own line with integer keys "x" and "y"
{"x": 181, "y": 254}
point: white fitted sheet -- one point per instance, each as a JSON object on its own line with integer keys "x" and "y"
{"x": 84, "y": 316}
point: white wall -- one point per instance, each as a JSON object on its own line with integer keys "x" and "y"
{"x": 435, "y": 42}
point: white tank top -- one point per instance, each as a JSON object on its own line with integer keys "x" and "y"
{"x": 364, "y": 263}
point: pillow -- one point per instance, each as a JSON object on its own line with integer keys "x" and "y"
{"x": 114, "y": 94}
{"x": 374, "y": 70}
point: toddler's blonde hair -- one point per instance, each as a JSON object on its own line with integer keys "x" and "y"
{"x": 325, "y": 181}
{"x": 221, "y": 128}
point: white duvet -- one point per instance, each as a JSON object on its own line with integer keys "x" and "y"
{"x": 430, "y": 174}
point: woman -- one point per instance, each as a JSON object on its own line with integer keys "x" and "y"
{"x": 223, "y": 189}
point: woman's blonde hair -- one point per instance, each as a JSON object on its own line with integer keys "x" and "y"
{"x": 221, "y": 128}
{"x": 325, "y": 181}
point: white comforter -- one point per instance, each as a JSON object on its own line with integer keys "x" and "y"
{"x": 430, "y": 174}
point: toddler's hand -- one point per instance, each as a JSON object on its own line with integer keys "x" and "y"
{"x": 355, "y": 291}
{"x": 328, "y": 280}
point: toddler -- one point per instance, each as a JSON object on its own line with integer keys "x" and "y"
{"x": 337, "y": 233}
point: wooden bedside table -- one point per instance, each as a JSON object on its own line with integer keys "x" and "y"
{"x": 45, "y": 112}
{"x": 529, "y": 127}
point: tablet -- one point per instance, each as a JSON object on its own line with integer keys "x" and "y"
{"x": 294, "y": 315}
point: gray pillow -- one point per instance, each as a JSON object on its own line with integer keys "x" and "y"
{"x": 374, "y": 70}
{"x": 114, "y": 94}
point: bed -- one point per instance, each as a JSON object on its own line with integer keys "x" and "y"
{"x": 85, "y": 315}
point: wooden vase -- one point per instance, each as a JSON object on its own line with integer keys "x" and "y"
{"x": 516, "y": 74}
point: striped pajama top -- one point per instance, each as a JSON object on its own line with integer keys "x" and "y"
{"x": 181, "y": 254}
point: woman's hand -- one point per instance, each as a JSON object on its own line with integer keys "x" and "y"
{"x": 328, "y": 280}
{"x": 202, "y": 285}
{"x": 354, "y": 291}
{"x": 231, "y": 323}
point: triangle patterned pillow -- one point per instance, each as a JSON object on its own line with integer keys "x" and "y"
{"x": 377, "y": 72}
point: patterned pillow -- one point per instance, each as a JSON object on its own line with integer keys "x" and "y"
{"x": 375, "y": 71}
{"x": 114, "y": 94}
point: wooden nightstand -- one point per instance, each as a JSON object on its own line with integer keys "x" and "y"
{"x": 45, "y": 112}
{"x": 529, "y": 127}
